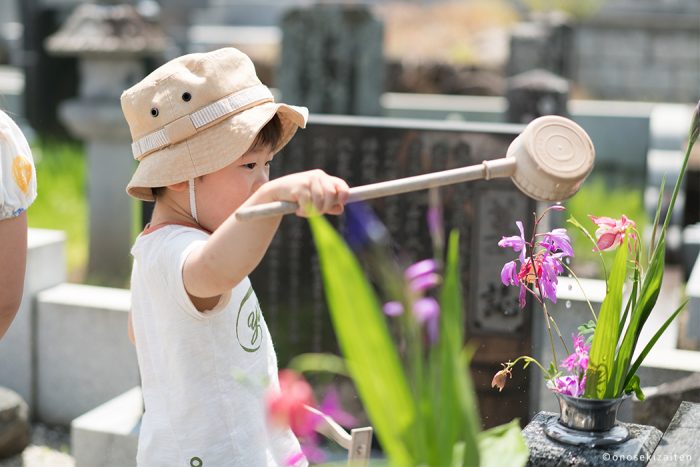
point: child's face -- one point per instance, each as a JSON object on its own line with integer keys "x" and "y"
{"x": 220, "y": 193}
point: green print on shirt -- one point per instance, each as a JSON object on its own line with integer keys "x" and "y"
{"x": 253, "y": 322}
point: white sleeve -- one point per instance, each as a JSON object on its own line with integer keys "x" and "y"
{"x": 17, "y": 173}
{"x": 174, "y": 256}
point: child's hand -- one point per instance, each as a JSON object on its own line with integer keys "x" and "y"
{"x": 315, "y": 191}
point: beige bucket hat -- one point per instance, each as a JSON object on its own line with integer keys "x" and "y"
{"x": 197, "y": 114}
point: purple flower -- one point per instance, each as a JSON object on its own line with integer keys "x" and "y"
{"x": 549, "y": 268}
{"x": 422, "y": 283}
{"x": 393, "y": 308}
{"x": 509, "y": 274}
{"x": 427, "y": 310}
{"x": 517, "y": 243}
{"x": 557, "y": 240}
{"x": 363, "y": 227}
{"x": 570, "y": 385}
{"x": 421, "y": 276}
{"x": 427, "y": 266}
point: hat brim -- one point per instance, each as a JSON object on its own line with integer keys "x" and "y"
{"x": 213, "y": 148}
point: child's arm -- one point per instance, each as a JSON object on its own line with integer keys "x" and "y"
{"x": 237, "y": 247}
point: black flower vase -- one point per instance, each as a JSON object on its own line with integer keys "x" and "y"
{"x": 587, "y": 422}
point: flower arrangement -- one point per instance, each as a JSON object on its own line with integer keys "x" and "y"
{"x": 405, "y": 351}
{"x": 600, "y": 366}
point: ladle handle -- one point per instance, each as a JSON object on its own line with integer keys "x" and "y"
{"x": 497, "y": 168}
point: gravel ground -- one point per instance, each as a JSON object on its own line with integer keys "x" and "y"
{"x": 50, "y": 447}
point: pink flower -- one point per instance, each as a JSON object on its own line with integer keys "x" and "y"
{"x": 577, "y": 361}
{"x": 393, "y": 308}
{"x": 287, "y": 407}
{"x": 611, "y": 232}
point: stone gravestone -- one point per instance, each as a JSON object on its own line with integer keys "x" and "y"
{"x": 535, "y": 93}
{"x": 366, "y": 150}
{"x": 332, "y": 59}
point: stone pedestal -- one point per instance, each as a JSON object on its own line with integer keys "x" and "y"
{"x": 636, "y": 451}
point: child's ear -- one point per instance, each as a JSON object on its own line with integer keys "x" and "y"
{"x": 181, "y": 186}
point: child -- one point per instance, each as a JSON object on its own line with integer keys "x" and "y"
{"x": 17, "y": 192}
{"x": 205, "y": 131}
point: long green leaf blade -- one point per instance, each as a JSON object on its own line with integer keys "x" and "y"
{"x": 455, "y": 391}
{"x": 602, "y": 353}
{"x": 651, "y": 285}
{"x": 365, "y": 341}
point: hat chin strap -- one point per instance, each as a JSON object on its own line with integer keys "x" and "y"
{"x": 193, "y": 201}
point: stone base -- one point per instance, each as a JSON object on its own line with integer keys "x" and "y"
{"x": 545, "y": 452}
{"x": 108, "y": 435}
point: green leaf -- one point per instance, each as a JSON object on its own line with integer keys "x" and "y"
{"x": 365, "y": 341}
{"x": 657, "y": 215}
{"x": 647, "y": 348}
{"x": 503, "y": 445}
{"x": 602, "y": 355}
{"x": 452, "y": 390}
{"x": 634, "y": 386}
{"x": 631, "y": 301}
{"x": 649, "y": 292}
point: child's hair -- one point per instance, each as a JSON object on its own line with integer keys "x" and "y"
{"x": 268, "y": 136}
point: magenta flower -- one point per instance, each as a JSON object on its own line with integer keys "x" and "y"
{"x": 550, "y": 268}
{"x": 517, "y": 243}
{"x": 393, "y": 308}
{"x": 427, "y": 311}
{"x": 577, "y": 361}
{"x": 611, "y": 232}
{"x": 557, "y": 240}
{"x": 421, "y": 268}
{"x": 570, "y": 385}
{"x": 331, "y": 407}
{"x": 509, "y": 273}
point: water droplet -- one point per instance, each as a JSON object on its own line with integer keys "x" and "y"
{"x": 568, "y": 304}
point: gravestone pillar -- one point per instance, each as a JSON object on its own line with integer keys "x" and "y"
{"x": 535, "y": 93}
{"x": 332, "y": 59}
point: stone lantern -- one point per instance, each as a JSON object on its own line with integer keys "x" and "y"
{"x": 111, "y": 43}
